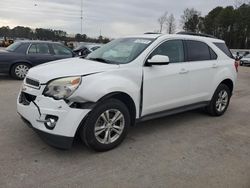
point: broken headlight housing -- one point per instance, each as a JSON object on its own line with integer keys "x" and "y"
{"x": 62, "y": 88}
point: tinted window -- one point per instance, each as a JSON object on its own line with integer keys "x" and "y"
{"x": 60, "y": 50}
{"x": 213, "y": 55}
{"x": 223, "y": 47}
{"x": 197, "y": 51}
{"x": 173, "y": 49}
{"x": 39, "y": 49}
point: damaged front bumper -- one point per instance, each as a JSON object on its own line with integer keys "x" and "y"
{"x": 54, "y": 120}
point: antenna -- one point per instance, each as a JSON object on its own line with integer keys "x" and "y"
{"x": 81, "y": 15}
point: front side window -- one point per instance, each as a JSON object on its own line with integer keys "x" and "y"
{"x": 173, "y": 49}
{"x": 61, "y": 50}
{"x": 39, "y": 49}
{"x": 120, "y": 51}
{"x": 197, "y": 51}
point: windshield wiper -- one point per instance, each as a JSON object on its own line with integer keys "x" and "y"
{"x": 100, "y": 60}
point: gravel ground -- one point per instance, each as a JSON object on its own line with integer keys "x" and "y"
{"x": 190, "y": 149}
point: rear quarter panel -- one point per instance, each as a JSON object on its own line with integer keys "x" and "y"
{"x": 226, "y": 70}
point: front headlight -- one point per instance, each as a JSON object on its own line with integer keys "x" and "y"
{"x": 62, "y": 88}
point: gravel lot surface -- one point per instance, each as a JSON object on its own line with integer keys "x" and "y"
{"x": 190, "y": 149}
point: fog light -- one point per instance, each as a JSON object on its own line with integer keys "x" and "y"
{"x": 50, "y": 121}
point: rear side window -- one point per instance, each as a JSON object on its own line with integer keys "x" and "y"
{"x": 213, "y": 54}
{"x": 223, "y": 47}
{"x": 197, "y": 51}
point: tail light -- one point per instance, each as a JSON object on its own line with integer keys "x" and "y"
{"x": 236, "y": 64}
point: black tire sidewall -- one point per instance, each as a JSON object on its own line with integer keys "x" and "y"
{"x": 212, "y": 108}
{"x": 13, "y": 73}
{"x": 87, "y": 132}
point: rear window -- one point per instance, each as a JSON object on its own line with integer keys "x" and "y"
{"x": 13, "y": 46}
{"x": 223, "y": 47}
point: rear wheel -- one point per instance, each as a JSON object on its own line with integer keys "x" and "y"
{"x": 220, "y": 101}
{"x": 106, "y": 126}
{"x": 20, "y": 70}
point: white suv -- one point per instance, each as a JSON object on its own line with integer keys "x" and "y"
{"x": 131, "y": 79}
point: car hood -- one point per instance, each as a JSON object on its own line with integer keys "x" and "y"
{"x": 68, "y": 67}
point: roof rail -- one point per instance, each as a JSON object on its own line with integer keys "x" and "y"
{"x": 195, "y": 34}
{"x": 151, "y": 33}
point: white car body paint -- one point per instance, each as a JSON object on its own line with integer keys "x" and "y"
{"x": 159, "y": 88}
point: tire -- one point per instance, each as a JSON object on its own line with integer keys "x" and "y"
{"x": 97, "y": 128}
{"x": 220, "y": 101}
{"x": 19, "y": 71}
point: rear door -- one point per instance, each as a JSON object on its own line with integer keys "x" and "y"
{"x": 202, "y": 68}
{"x": 39, "y": 53}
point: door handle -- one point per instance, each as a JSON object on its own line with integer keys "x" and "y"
{"x": 214, "y": 66}
{"x": 184, "y": 71}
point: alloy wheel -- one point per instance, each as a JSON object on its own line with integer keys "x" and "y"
{"x": 222, "y": 101}
{"x": 109, "y": 126}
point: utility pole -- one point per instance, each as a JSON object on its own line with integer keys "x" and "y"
{"x": 81, "y": 15}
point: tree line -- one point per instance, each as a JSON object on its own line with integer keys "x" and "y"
{"x": 232, "y": 24}
{"x": 46, "y": 34}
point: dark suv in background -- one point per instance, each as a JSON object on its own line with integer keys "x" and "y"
{"x": 19, "y": 57}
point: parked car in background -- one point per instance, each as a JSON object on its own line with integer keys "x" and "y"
{"x": 85, "y": 49}
{"x": 19, "y": 57}
{"x": 245, "y": 60}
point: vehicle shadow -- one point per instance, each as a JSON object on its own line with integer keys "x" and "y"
{"x": 151, "y": 127}
{"x": 148, "y": 128}
{"x": 5, "y": 77}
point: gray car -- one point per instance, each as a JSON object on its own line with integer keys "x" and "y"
{"x": 245, "y": 60}
{"x": 19, "y": 57}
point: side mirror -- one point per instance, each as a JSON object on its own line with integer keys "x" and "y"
{"x": 158, "y": 60}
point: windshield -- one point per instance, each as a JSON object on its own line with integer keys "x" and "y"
{"x": 120, "y": 51}
{"x": 13, "y": 46}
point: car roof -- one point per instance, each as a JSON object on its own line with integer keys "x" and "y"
{"x": 37, "y": 41}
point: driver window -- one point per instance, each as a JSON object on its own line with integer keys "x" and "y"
{"x": 173, "y": 49}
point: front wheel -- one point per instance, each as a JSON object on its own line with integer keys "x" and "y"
{"x": 19, "y": 71}
{"x": 220, "y": 101}
{"x": 106, "y": 126}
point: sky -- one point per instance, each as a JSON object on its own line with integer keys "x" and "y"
{"x": 111, "y": 18}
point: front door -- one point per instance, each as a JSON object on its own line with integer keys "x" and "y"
{"x": 166, "y": 86}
